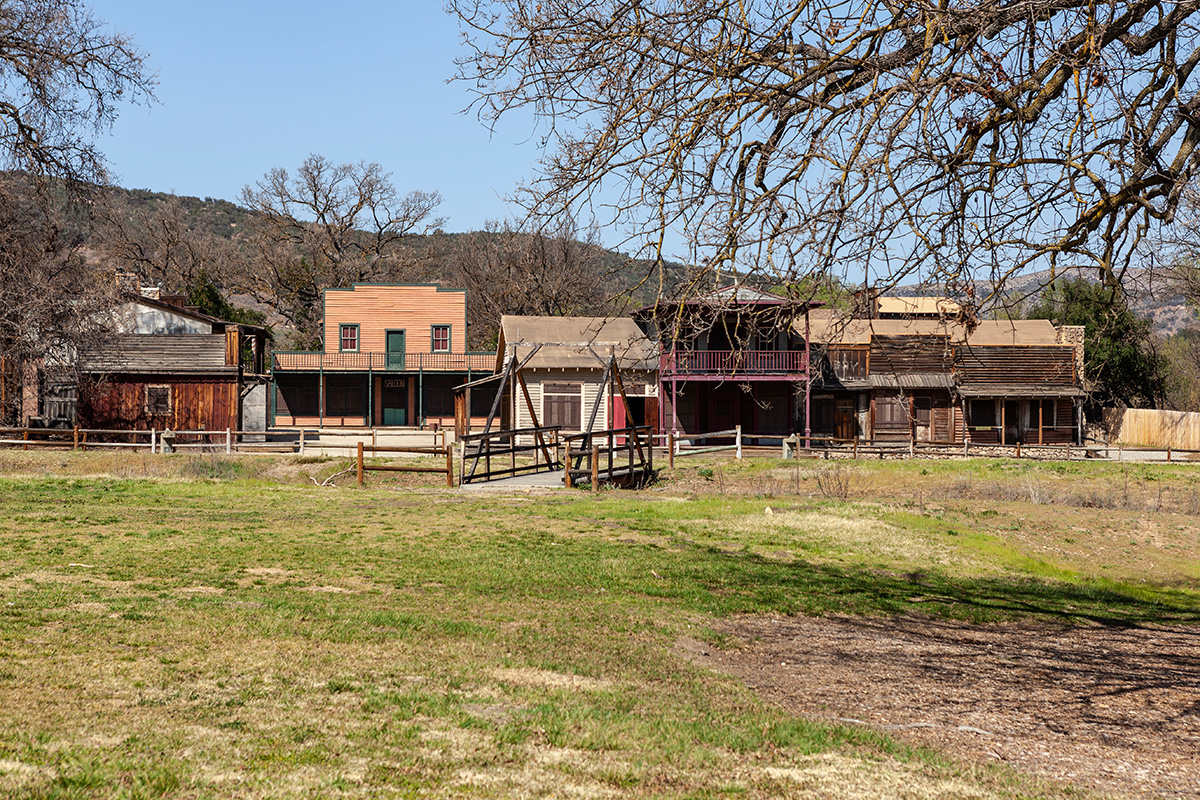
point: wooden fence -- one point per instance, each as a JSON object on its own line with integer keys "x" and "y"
{"x": 587, "y": 453}
{"x": 1145, "y": 427}
{"x": 479, "y": 449}
{"x": 674, "y": 440}
{"x": 447, "y": 452}
{"x": 154, "y": 440}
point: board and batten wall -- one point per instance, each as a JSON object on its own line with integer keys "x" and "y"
{"x": 412, "y": 308}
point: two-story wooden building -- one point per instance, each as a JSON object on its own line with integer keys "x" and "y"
{"x": 736, "y": 356}
{"x": 392, "y": 355}
{"x": 935, "y": 379}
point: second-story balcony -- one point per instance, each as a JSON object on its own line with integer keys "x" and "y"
{"x": 306, "y": 361}
{"x": 733, "y": 364}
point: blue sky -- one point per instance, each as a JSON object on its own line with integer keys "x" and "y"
{"x": 247, "y": 86}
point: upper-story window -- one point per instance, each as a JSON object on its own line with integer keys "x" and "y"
{"x": 441, "y": 338}
{"x": 348, "y": 337}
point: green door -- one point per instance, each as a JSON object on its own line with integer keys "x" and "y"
{"x": 395, "y": 349}
{"x": 394, "y": 400}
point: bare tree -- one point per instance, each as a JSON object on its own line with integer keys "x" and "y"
{"x": 552, "y": 270}
{"x": 55, "y": 300}
{"x": 875, "y": 141}
{"x": 329, "y": 225}
{"x": 159, "y": 243}
{"x": 61, "y": 78}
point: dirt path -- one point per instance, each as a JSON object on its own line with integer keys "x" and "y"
{"x": 1109, "y": 709}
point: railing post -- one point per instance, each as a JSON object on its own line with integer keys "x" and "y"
{"x": 595, "y": 467}
{"x": 360, "y": 463}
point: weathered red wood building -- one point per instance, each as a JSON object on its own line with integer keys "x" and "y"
{"x": 172, "y": 367}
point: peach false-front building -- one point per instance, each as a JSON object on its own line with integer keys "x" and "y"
{"x": 392, "y": 355}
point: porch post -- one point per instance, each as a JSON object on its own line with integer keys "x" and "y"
{"x": 807, "y": 385}
{"x": 674, "y": 404}
{"x": 321, "y": 396}
{"x": 370, "y": 396}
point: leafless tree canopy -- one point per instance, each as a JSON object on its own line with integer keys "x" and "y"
{"x": 880, "y": 141}
{"x": 329, "y": 225}
{"x": 553, "y": 269}
{"x": 54, "y": 300}
{"x": 158, "y": 244}
{"x": 61, "y": 78}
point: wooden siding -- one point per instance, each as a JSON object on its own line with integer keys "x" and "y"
{"x": 414, "y": 309}
{"x": 119, "y": 402}
{"x": 901, "y": 355}
{"x": 1015, "y": 367}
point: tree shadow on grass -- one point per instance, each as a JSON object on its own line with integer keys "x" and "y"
{"x": 747, "y": 582}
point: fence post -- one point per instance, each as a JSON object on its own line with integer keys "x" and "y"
{"x": 856, "y": 449}
{"x": 360, "y": 463}
{"x": 595, "y": 467}
{"x": 1018, "y": 450}
{"x": 671, "y": 450}
{"x": 153, "y": 440}
{"x": 650, "y": 452}
{"x": 629, "y": 443}
{"x": 302, "y": 441}
{"x": 75, "y": 444}
{"x": 1068, "y": 451}
{"x": 228, "y": 441}
{"x": 739, "y": 442}
{"x": 26, "y": 447}
{"x": 449, "y": 469}
{"x": 462, "y": 461}
{"x": 1168, "y": 454}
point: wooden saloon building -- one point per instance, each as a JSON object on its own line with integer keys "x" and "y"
{"x": 392, "y": 355}
{"x": 934, "y": 380}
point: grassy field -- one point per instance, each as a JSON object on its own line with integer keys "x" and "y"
{"x": 196, "y": 626}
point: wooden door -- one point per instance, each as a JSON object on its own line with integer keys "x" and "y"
{"x": 395, "y": 350}
{"x": 844, "y": 422}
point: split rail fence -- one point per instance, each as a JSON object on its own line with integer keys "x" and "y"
{"x": 155, "y": 441}
{"x": 446, "y": 452}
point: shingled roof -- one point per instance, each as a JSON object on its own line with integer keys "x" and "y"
{"x": 568, "y": 342}
{"x": 182, "y": 354}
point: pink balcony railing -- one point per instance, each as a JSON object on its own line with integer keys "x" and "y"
{"x": 737, "y": 362}
{"x": 293, "y": 361}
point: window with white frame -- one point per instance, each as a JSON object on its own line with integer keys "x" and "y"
{"x": 441, "y": 338}
{"x": 348, "y": 338}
